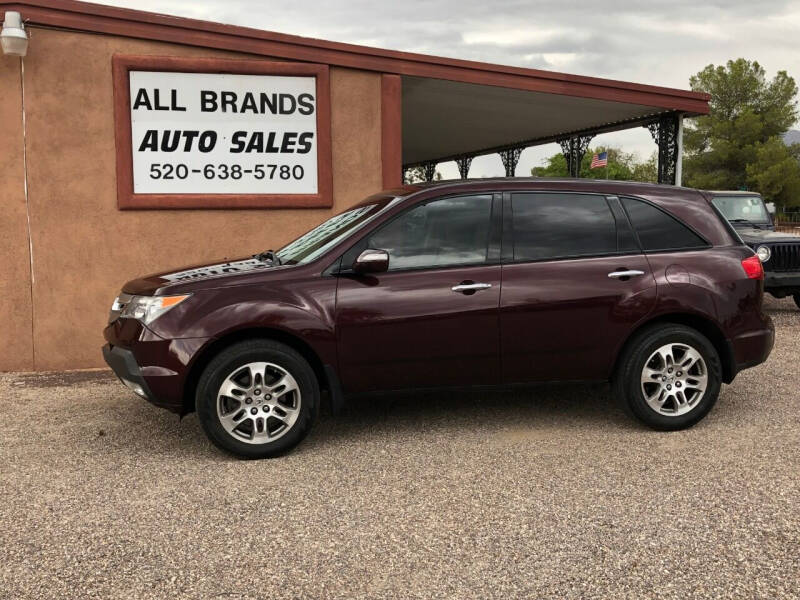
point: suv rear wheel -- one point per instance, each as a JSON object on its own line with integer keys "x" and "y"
{"x": 257, "y": 399}
{"x": 669, "y": 377}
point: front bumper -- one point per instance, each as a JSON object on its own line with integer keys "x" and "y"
{"x": 125, "y": 367}
{"x": 781, "y": 284}
{"x": 155, "y": 368}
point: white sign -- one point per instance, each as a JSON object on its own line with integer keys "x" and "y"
{"x": 204, "y": 133}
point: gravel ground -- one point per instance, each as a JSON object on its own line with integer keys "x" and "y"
{"x": 545, "y": 493}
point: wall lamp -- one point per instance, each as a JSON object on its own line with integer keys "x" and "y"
{"x": 13, "y": 38}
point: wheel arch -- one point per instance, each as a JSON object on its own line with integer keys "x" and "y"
{"x": 702, "y": 324}
{"x": 208, "y": 352}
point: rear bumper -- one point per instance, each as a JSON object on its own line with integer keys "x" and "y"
{"x": 754, "y": 347}
{"x": 781, "y": 284}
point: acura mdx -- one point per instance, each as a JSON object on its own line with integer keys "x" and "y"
{"x": 453, "y": 284}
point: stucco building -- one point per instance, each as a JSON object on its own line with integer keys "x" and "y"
{"x": 98, "y": 99}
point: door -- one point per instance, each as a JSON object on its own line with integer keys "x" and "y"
{"x": 432, "y": 319}
{"x": 575, "y": 283}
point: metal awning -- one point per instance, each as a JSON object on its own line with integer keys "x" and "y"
{"x": 444, "y": 120}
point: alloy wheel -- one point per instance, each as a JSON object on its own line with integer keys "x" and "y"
{"x": 258, "y": 402}
{"x": 674, "y": 379}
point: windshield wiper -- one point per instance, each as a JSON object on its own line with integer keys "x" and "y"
{"x": 748, "y": 221}
{"x": 268, "y": 255}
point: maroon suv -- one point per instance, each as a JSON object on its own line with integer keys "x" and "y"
{"x": 458, "y": 283}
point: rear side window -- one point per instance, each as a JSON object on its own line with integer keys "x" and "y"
{"x": 658, "y": 230}
{"x": 548, "y": 226}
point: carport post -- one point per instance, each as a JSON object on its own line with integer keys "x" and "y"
{"x": 667, "y": 131}
{"x": 679, "y": 158}
{"x": 574, "y": 148}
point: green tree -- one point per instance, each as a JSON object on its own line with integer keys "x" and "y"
{"x": 775, "y": 172}
{"x": 747, "y": 115}
{"x": 646, "y": 171}
{"x": 621, "y": 166}
{"x": 555, "y": 166}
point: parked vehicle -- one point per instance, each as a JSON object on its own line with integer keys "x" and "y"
{"x": 466, "y": 283}
{"x": 779, "y": 252}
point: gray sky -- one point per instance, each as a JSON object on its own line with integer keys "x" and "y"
{"x": 660, "y": 43}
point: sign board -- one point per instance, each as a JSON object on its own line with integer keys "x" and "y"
{"x": 195, "y": 138}
{"x": 204, "y": 133}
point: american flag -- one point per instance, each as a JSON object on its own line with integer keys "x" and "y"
{"x": 599, "y": 160}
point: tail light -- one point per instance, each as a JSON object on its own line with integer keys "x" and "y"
{"x": 752, "y": 266}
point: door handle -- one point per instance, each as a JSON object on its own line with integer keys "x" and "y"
{"x": 624, "y": 274}
{"x": 470, "y": 287}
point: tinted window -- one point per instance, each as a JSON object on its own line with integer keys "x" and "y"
{"x": 446, "y": 232}
{"x": 559, "y": 225}
{"x": 657, "y": 230}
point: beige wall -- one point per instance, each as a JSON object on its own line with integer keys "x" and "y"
{"x": 84, "y": 249}
{"x": 16, "y": 347}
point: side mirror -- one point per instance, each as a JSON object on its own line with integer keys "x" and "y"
{"x": 371, "y": 261}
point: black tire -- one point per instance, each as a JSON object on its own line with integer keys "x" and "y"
{"x": 239, "y": 355}
{"x": 627, "y": 383}
{"x": 797, "y": 300}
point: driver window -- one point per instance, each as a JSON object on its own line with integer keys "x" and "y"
{"x": 441, "y": 233}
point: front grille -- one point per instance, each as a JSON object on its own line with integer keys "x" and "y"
{"x": 785, "y": 257}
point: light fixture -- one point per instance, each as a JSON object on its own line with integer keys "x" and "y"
{"x": 13, "y": 37}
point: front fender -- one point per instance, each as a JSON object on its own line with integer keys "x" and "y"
{"x": 303, "y": 309}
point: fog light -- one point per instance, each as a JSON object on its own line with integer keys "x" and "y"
{"x": 763, "y": 253}
{"x": 137, "y": 389}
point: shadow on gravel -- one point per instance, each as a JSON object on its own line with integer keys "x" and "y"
{"x": 382, "y": 417}
{"x": 468, "y": 412}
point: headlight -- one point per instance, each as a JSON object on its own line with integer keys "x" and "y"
{"x": 763, "y": 253}
{"x": 148, "y": 308}
{"x": 116, "y": 308}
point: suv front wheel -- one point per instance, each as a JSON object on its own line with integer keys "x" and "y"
{"x": 257, "y": 399}
{"x": 669, "y": 377}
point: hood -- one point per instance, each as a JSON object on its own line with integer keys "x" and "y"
{"x": 751, "y": 235}
{"x": 150, "y": 285}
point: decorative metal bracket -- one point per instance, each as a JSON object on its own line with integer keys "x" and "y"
{"x": 510, "y": 159}
{"x": 463, "y": 165}
{"x": 665, "y": 134}
{"x": 573, "y": 149}
{"x": 430, "y": 170}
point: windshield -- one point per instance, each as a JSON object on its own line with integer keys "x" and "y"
{"x": 742, "y": 208}
{"x": 316, "y": 242}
